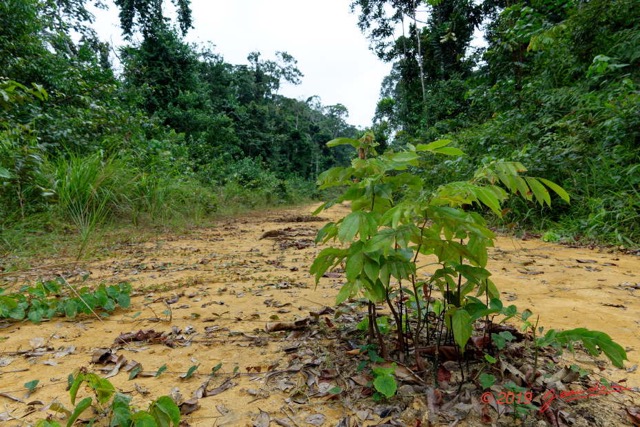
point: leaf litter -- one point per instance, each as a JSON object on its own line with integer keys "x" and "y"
{"x": 284, "y": 356}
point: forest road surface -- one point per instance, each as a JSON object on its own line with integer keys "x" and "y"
{"x": 203, "y": 299}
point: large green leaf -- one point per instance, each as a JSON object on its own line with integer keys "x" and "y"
{"x": 541, "y": 194}
{"x": 557, "y": 189}
{"x": 462, "y": 325}
{"x": 449, "y": 151}
{"x": 433, "y": 145}
{"x": 121, "y": 412}
{"x": 349, "y": 226}
{"x": 594, "y": 342}
{"x": 347, "y": 291}
{"x": 326, "y": 259}
{"x": 371, "y": 268}
{"x": 401, "y": 161}
{"x": 374, "y": 291}
{"x": 102, "y": 387}
{"x": 344, "y": 141}
{"x": 165, "y": 411}
{"x": 489, "y": 198}
{"x": 143, "y": 419}
{"x": 386, "y": 385}
{"x": 355, "y": 263}
{"x": 82, "y": 406}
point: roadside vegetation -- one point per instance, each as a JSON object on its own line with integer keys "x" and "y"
{"x": 555, "y": 87}
{"x": 177, "y": 136}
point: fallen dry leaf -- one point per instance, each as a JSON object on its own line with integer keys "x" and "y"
{"x": 6, "y": 416}
{"x": 262, "y": 420}
{"x": 315, "y": 419}
{"x": 10, "y": 397}
{"x": 121, "y": 360}
{"x": 287, "y": 326}
{"x": 189, "y": 406}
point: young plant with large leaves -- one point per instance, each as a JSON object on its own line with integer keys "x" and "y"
{"x": 397, "y": 227}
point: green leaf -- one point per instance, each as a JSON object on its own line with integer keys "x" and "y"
{"x": 557, "y": 189}
{"x": 124, "y": 300}
{"x": 160, "y": 370}
{"x": 354, "y": 265}
{"x": 326, "y": 259}
{"x": 335, "y": 390}
{"x": 31, "y": 385}
{"x": 327, "y": 232}
{"x": 165, "y": 411}
{"x": 489, "y": 358}
{"x": 499, "y": 341}
{"x": 374, "y": 291}
{"x": 371, "y": 269}
{"x": 135, "y": 371}
{"x": 489, "y": 199}
{"x": 593, "y": 342}
{"x": 344, "y": 141}
{"x": 386, "y": 385}
{"x": 103, "y": 388}
{"x": 404, "y": 159}
{"x": 487, "y": 380}
{"x": 36, "y": 314}
{"x": 433, "y": 145}
{"x": 347, "y": 290}
{"x": 73, "y": 390}
{"x": 462, "y": 327}
{"x": 449, "y": 151}
{"x": 349, "y": 226}
{"x": 70, "y": 308}
{"x": 82, "y": 406}
{"x": 216, "y": 368}
{"x": 121, "y": 412}
{"x": 143, "y": 419}
{"x": 189, "y": 372}
{"x": 4, "y": 173}
{"x": 541, "y": 194}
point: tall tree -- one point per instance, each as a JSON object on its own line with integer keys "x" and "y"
{"x": 147, "y": 15}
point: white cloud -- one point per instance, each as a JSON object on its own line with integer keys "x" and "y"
{"x": 321, "y": 35}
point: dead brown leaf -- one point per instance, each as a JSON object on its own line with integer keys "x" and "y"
{"x": 189, "y": 406}
{"x": 287, "y": 326}
{"x": 10, "y": 397}
{"x": 262, "y": 420}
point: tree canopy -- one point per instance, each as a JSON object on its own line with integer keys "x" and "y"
{"x": 556, "y": 87}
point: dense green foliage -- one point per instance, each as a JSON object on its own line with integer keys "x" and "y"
{"x": 178, "y": 134}
{"x": 556, "y": 88}
{"x": 49, "y": 299}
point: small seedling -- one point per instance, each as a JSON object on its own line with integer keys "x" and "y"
{"x": 189, "y": 372}
{"x": 487, "y": 380}
{"x": 215, "y": 369}
{"x": 385, "y": 381}
{"x": 31, "y": 386}
{"x": 161, "y": 369}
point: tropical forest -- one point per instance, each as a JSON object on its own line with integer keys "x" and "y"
{"x": 181, "y": 244}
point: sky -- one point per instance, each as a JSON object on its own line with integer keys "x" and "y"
{"x": 322, "y": 36}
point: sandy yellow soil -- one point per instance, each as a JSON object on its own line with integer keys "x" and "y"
{"x": 217, "y": 288}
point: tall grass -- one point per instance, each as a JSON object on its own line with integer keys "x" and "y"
{"x": 165, "y": 199}
{"x": 89, "y": 190}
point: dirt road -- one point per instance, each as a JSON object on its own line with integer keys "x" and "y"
{"x": 203, "y": 299}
